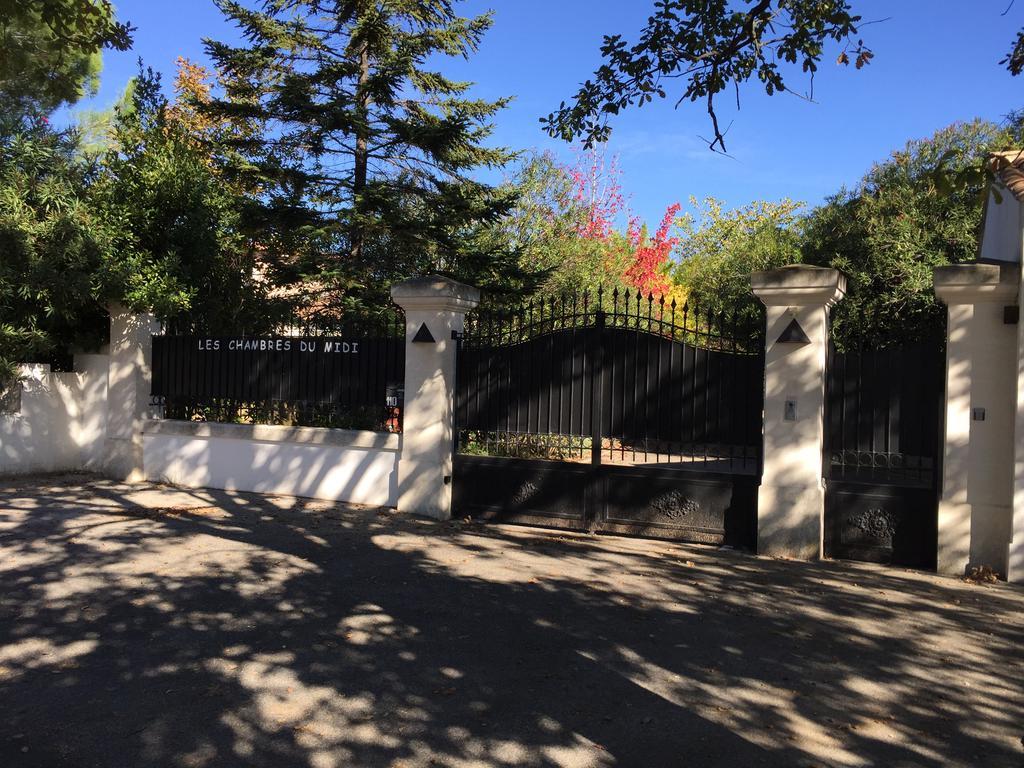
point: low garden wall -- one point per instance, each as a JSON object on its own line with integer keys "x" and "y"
{"x": 334, "y": 464}
{"x": 56, "y": 421}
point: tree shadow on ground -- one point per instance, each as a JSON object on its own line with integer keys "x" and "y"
{"x": 280, "y": 632}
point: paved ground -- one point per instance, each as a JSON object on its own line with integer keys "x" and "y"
{"x": 171, "y": 628}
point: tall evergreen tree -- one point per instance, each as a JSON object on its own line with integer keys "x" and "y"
{"x": 176, "y": 249}
{"x": 365, "y": 156}
{"x": 50, "y": 50}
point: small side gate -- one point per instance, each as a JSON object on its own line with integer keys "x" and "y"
{"x": 883, "y": 443}
{"x": 619, "y": 414}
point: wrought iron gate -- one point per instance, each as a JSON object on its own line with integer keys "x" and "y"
{"x": 616, "y": 413}
{"x": 883, "y": 433}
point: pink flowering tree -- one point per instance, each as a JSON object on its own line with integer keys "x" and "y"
{"x": 634, "y": 260}
{"x": 573, "y": 222}
{"x": 597, "y": 192}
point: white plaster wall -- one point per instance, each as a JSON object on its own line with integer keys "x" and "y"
{"x": 130, "y": 376}
{"x": 344, "y": 470}
{"x": 976, "y": 508}
{"x": 61, "y": 425}
{"x": 791, "y": 499}
{"x": 1000, "y": 239}
{"x": 1015, "y": 555}
{"x": 86, "y": 403}
{"x": 26, "y": 437}
{"x": 990, "y": 470}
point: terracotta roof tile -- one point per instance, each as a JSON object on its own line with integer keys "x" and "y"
{"x": 1009, "y": 167}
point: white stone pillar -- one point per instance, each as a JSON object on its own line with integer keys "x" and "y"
{"x": 791, "y": 499}
{"x": 435, "y": 307}
{"x": 128, "y": 391}
{"x": 1015, "y": 567}
{"x": 976, "y": 506}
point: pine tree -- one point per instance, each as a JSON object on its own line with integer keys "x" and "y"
{"x": 50, "y": 50}
{"x": 366, "y": 154}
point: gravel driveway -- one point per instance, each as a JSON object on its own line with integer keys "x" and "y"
{"x": 146, "y": 626}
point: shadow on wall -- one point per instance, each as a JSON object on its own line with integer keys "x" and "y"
{"x": 10, "y": 398}
{"x": 302, "y": 469}
{"x": 27, "y": 442}
{"x": 61, "y": 422}
{"x": 264, "y": 633}
{"x": 792, "y": 491}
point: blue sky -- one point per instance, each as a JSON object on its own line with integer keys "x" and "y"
{"x": 935, "y": 63}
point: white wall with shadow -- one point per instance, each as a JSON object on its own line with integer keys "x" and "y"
{"x": 337, "y": 465}
{"x": 59, "y": 421}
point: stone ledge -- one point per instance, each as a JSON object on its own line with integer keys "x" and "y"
{"x": 798, "y": 285}
{"x": 267, "y": 433}
{"x": 435, "y": 292}
{"x": 974, "y": 283}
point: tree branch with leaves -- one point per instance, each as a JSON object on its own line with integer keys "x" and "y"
{"x": 707, "y": 46}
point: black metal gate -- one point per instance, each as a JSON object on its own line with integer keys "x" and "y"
{"x": 617, "y": 414}
{"x": 883, "y": 442}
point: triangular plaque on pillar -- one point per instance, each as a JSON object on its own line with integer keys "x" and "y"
{"x": 423, "y": 336}
{"x": 793, "y": 334}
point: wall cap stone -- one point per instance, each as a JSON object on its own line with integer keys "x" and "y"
{"x": 976, "y": 283}
{"x": 268, "y": 433}
{"x": 435, "y": 292}
{"x": 798, "y": 285}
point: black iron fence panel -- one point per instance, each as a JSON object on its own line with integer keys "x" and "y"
{"x": 883, "y": 414}
{"x": 592, "y": 413}
{"x": 496, "y": 326}
{"x": 662, "y": 398}
{"x": 883, "y": 449}
{"x": 533, "y": 394}
{"x": 353, "y": 380}
{"x": 656, "y": 501}
{"x": 625, "y": 379}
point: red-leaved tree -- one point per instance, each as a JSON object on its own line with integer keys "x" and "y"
{"x": 647, "y": 273}
{"x": 603, "y": 245}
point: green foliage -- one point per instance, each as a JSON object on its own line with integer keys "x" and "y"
{"x": 177, "y": 247}
{"x": 719, "y": 249}
{"x": 540, "y": 220}
{"x": 52, "y": 247}
{"x": 920, "y": 209}
{"x": 1014, "y": 59}
{"x": 148, "y": 223}
{"x": 362, "y": 156}
{"x": 50, "y": 49}
{"x": 586, "y": 264}
{"x": 707, "y": 47}
{"x": 900, "y": 222}
{"x": 561, "y": 224}
{"x": 96, "y": 127}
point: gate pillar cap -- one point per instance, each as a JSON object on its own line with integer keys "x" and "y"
{"x": 976, "y": 283}
{"x": 435, "y": 292}
{"x": 798, "y": 285}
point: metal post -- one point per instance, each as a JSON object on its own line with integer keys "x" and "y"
{"x": 597, "y": 390}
